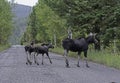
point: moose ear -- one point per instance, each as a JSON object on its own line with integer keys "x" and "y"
{"x": 91, "y": 34}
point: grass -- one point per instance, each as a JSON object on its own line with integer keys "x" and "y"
{"x": 4, "y": 47}
{"x": 103, "y": 57}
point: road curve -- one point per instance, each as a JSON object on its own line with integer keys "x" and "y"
{"x": 14, "y": 70}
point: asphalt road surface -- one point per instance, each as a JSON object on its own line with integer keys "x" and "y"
{"x": 14, "y": 70}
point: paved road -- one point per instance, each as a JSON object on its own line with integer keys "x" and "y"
{"x": 14, "y": 70}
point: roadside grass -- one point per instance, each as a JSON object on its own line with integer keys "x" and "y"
{"x": 103, "y": 57}
{"x": 106, "y": 58}
{"x": 4, "y": 47}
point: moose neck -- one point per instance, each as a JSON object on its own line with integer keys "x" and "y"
{"x": 89, "y": 40}
{"x": 49, "y": 46}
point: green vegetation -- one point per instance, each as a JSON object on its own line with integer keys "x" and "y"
{"x": 105, "y": 58}
{"x": 102, "y": 57}
{"x": 44, "y": 25}
{"x": 5, "y": 22}
{"x": 51, "y": 19}
{"x": 4, "y": 47}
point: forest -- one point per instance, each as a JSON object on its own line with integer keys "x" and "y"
{"x": 6, "y": 25}
{"x": 50, "y": 21}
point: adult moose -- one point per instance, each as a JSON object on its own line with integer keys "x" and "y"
{"x": 77, "y": 45}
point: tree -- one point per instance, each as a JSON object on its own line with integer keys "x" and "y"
{"x": 85, "y": 16}
{"x": 5, "y": 21}
{"x": 82, "y": 16}
{"x": 45, "y": 24}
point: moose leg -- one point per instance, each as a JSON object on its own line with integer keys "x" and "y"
{"x": 78, "y": 59}
{"x": 35, "y": 57}
{"x": 66, "y": 60}
{"x": 49, "y": 58}
{"x": 27, "y": 59}
{"x": 42, "y": 59}
{"x": 30, "y": 57}
{"x": 85, "y": 54}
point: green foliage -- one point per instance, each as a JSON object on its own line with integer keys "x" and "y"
{"x": 4, "y": 47}
{"x": 44, "y": 24}
{"x": 5, "y": 21}
{"x": 85, "y": 16}
{"x": 54, "y": 17}
{"x": 106, "y": 58}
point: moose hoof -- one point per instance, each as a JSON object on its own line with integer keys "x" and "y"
{"x": 51, "y": 62}
{"x": 42, "y": 63}
{"x": 26, "y": 63}
{"x": 67, "y": 66}
{"x": 37, "y": 63}
{"x": 87, "y": 66}
{"x": 78, "y": 65}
